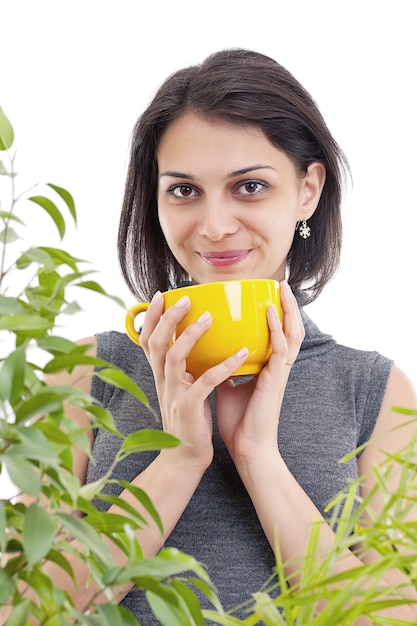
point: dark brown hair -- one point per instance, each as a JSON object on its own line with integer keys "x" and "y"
{"x": 244, "y": 88}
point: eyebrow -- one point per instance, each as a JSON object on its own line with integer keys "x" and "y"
{"x": 241, "y": 172}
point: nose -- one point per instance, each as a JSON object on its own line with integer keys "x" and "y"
{"x": 217, "y": 221}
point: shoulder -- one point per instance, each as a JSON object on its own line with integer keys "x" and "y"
{"x": 334, "y": 360}
{"x": 116, "y": 348}
{"x": 350, "y": 379}
{"x": 400, "y": 401}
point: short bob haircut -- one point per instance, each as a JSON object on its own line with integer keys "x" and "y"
{"x": 245, "y": 88}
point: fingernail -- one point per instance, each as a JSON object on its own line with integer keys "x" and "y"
{"x": 204, "y": 318}
{"x": 182, "y": 302}
{"x": 156, "y": 297}
{"x": 243, "y": 352}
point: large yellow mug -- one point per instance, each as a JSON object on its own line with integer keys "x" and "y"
{"x": 238, "y": 309}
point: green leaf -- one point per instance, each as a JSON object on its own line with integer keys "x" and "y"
{"x": 120, "y": 379}
{"x": 6, "y": 132}
{"x": 71, "y": 309}
{"x": 266, "y": 611}
{"x": 23, "y": 474}
{"x": 61, "y": 257}
{"x": 190, "y": 600}
{"x": 20, "y": 614}
{"x": 56, "y": 345}
{"x": 10, "y": 306}
{"x": 56, "y": 557}
{"x": 208, "y": 590}
{"x": 168, "y": 606}
{"x": 8, "y": 235}
{"x": 52, "y": 210}
{"x": 38, "y": 534}
{"x": 34, "y": 255}
{"x": 5, "y": 215}
{"x": 112, "y": 615}
{"x": 102, "y": 417}
{"x": 169, "y": 562}
{"x": 148, "y": 439}
{"x": 146, "y": 502}
{"x": 27, "y": 325}
{"x": 223, "y": 619}
{"x": 7, "y": 587}
{"x": 12, "y": 374}
{"x": 35, "y": 446}
{"x": 67, "y": 198}
{"x": 404, "y": 411}
{"x": 94, "y": 286}
{"x": 109, "y": 523}
{"x": 69, "y": 361}
{"x": 44, "y": 402}
{"x": 79, "y": 529}
{"x": 187, "y": 562}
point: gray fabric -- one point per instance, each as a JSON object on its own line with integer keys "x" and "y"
{"x": 331, "y": 404}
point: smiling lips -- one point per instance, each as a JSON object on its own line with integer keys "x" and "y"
{"x": 221, "y": 259}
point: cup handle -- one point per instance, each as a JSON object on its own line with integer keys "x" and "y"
{"x": 134, "y": 310}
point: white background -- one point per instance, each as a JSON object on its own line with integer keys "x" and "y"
{"x": 76, "y": 74}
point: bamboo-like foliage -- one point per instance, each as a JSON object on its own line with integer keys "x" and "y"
{"x": 323, "y": 599}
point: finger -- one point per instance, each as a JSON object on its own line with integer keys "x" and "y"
{"x": 177, "y": 354}
{"x": 179, "y": 351}
{"x": 278, "y": 340}
{"x": 218, "y": 374}
{"x": 286, "y": 338}
{"x": 158, "y": 330}
{"x": 152, "y": 317}
{"x": 293, "y": 327}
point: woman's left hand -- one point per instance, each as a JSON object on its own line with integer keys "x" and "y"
{"x": 248, "y": 413}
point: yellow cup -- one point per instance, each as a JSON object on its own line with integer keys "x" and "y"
{"x": 238, "y": 309}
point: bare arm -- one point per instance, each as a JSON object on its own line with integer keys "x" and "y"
{"x": 248, "y": 419}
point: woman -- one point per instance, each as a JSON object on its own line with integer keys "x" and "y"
{"x": 234, "y": 174}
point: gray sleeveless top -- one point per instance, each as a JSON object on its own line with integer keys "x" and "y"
{"x": 332, "y": 401}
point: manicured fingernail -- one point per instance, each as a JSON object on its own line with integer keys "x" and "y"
{"x": 204, "y": 318}
{"x": 243, "y": 352}
{"x": 182, "y": 302}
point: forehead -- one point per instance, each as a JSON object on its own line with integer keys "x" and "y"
{"x": 193, "y": 142}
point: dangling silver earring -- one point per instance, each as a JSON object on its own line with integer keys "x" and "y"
{"x": 304, "y": 230}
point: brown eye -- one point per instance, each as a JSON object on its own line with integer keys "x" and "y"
{"x": 251, "y": 187}
{"x": 182, "y": 191}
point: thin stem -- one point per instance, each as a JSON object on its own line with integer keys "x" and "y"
{"x": 7, "y": 220}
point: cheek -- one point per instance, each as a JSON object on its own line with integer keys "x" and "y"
{"x": 173, "y": 228}
{"x": 164, "y": 219}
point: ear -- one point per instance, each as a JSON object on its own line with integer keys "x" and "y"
{"x": 310, "y": 189}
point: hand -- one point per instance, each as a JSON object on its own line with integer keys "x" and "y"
{"x": 183, "y": 401}
{"x": 248, "y": 413}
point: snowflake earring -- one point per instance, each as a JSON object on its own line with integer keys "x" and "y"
{"x": 304, "y": 230}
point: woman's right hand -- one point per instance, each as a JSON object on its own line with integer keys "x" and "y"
{"x": 183, "y": 400}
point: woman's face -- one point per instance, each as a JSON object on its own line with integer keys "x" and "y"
{"x": 229, "y": 201}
